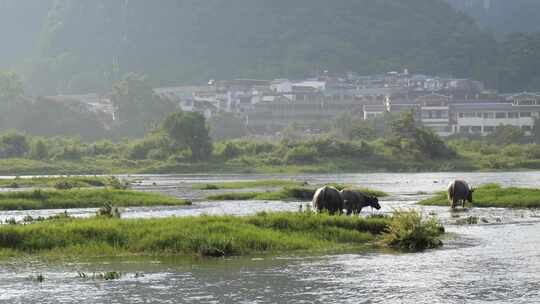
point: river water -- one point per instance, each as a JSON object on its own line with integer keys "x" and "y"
{"x": 496, "y": 261}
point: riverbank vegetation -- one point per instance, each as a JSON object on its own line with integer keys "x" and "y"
{"x": 386, "y": 144}
{"x": 83, "y": 198}
{"x": 285, "y": 194}
{"x": 493, "y": 195}
{"x": 206, "y": 235}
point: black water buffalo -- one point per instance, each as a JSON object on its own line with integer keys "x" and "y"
{"x": 328, "y": 198}
{"x": 354, "y": 201}
{"x": 459, "y": 192}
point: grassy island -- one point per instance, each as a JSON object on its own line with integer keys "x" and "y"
{"x": 493, "y": 195}
{"x": 285, "y": 194}
{"x": 73, "y": 181}
{"x": 218, "y": 235}
{"x": 250, "y": 184}
{"x": 83, "y": 198}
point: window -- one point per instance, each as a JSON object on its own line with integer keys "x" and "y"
{"x": 526, "y": 128}
{"x": 513, "y": 115}
{"x": 470, "y": 115}
{"x": 488, "y": 115}
{"x": 489, "y": 129}
{"x": 500, "y": 115}
{"x": 476, "y": 129}
{"x": 465, "y": 129}
{"x": 525, "y": 114}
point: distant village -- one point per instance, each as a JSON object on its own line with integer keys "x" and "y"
{"x": 447, "y": 105}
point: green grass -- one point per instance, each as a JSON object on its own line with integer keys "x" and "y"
{"x": 285, "y": 194}
{"x": 76, "y": 181}
{"x": 204, "y": 235}
{"x": 250, "y": 184}
{"x": 82, "y": 198}
{"x": 493, "y": 195}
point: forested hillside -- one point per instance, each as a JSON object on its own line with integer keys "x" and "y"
{"x": 21, "y": 22}
{"x": 502, "y": 16}
{"x": 84, "y": 44}
{"x": 77, "y": 46}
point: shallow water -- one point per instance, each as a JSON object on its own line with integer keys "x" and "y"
{"x": 495, "y": 262}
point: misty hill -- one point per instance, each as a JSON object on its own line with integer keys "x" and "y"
{"x": 502, "y": 16}
{"x": 87, "y": 44}
{"x": 21, "y": 22}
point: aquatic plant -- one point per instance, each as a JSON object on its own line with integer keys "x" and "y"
{"x": 408, "y": 230}
{"x": 108, "y": 210}
{"x": 470, "y": 220}
{"x": 39, "y": 278}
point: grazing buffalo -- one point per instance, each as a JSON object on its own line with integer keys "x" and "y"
{"x": 328, "y": 198}
{"x": 354, "y": 201}
{"x": 459, "y": 192}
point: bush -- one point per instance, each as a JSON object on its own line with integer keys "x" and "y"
{"x": 409, "y": 231}
{"x": 301, "y": 154}
{"x": 13, "y": 144}
{"x": 39, "y": 150}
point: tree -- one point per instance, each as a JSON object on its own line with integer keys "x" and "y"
{"x": 11, "y": 87}
{"x": 13, "y": 144}
{"x": 137, "y": 108}
{"x": 417, "y": 141}
{"x": 39, "y": 150}
{"x": 189, "y": 129}
{"x": 505, "y": 135}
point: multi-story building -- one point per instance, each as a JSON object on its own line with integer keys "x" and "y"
{"x": 518, "y": 110}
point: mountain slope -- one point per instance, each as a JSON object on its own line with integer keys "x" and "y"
{"x": 502, "y": 16}
{"x": 193, "y": 40}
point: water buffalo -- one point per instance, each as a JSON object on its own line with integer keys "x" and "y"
{"x": 328, "y": 198}
{"x": 354, "y": 201}
{"x": 459, "y": 192}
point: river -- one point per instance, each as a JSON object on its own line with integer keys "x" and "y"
{"x": 496, "y": 261}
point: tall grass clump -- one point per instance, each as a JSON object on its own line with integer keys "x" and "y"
{"x": 410, "y": 231}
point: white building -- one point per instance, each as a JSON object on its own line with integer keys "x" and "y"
{"x": 521, "y": 110}
{"x": 435, "y": 113}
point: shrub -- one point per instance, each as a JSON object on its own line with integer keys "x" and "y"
{"x": 409, "y": 231}
{"x": 301, "y": 154}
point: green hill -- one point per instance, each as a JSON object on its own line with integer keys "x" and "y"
{"x": 191, "y": 40}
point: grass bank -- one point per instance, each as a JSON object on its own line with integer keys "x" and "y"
{"x": 204, "y": 235}
{"x": 493, "y": 195}
{"x": 83, "y": 198}
{"x": 74, "y": 181}
{"x": 285, "y": 194}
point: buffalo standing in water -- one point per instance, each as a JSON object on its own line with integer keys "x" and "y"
{"x": 328, "y": 198}
{"x": 354, "y": 201}
{"x": 459, "y": 192}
